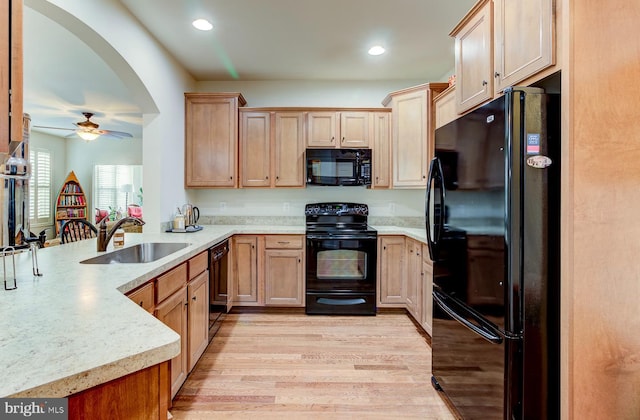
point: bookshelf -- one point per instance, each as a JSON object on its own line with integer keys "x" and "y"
{"x": 71, "y": 202}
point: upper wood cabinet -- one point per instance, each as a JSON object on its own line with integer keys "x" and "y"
{"x": 211, "y": 139}
{"x": 255, "y": 149}
{"x": 381, "y": 149}
{"x": 524, "y": 34}
{"x": 347, "y": 129}
{"x": 289, "y": 149}
{"x": 10, "y": 73}
{"x": 412, "y": 133}
{"x": 474, "y": 57}
{"x": 271, "y": 148}
{"x": 445, "y": 107}
{"x": 499, "y": 44}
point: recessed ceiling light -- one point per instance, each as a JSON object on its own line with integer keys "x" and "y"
{"x": 202, "y": 24}
{"x": 376, "y": 50}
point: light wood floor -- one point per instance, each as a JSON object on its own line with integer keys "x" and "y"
{"x": 294, "y": 366}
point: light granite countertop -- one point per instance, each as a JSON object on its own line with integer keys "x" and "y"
{"x": 73, "y": 328}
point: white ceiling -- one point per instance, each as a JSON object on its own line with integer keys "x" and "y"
{"x": 252, "y": 40}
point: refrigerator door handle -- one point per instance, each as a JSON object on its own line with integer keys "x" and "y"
{"x": 434, "y": 230}
{"x": 461, "y": 314}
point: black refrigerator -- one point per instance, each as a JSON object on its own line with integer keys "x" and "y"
{"x": 493, "y": 227}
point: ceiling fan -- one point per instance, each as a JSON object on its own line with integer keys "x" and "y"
{"x": 88, "y": 130}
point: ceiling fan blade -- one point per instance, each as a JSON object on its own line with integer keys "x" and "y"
{"x": 54, "y": 128}
{"x": 117, "y": 134}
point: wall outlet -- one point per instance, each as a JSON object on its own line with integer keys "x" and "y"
{"x": 392, "y": 208}
{"x": 223, "y": 206}
{"x": 285, "y": 207}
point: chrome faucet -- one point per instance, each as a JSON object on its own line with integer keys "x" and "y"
{"x": 104, "y": 237}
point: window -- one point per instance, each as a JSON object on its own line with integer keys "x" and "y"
{"x": 40, "y": 187}
{"x": 116, "y": 186}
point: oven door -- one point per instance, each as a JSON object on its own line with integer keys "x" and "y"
{"x": 341, "y": 273}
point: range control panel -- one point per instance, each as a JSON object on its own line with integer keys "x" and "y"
{"x": 336, "y": 209}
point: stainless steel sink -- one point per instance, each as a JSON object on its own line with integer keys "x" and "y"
{"x": 141, "y": 253}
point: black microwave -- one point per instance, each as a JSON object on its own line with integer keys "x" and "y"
{"x": 339, "y": 167}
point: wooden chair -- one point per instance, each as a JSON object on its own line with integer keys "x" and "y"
{"x": 77, "y": 230}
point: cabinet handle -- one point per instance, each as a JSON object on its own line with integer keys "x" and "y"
{"x": 277, "y": 178}
{"x": 424, "y": 176}
{"x": 230, "y": 177}
{"x": 140, "y": 303}
{"x": 267, "y": 178}
{"x": 253, "y": 247}
{"x": 484, "y": 83}
{"x": 283, "y": 242}
{"x": 384, "y": 248}
{"x": 332, "y": 139}
{"x": 299, "y": 260}
{"x": 193, "y": 298}
{"x": 343, "y": 139}
{"x": 496, "y": 74}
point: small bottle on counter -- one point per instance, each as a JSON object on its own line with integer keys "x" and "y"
{"x": 178, "y": 222}
{"x": 118, "y": 239}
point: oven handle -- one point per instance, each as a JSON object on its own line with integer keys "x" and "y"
{"x": 343, "y": 302}
{"x": 314, "y": 236}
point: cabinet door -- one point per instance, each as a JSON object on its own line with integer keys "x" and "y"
{"x": 524, "y": 40}
{"x": 445, "y": 107}
{"x": 413, "y": 276}
{"x": 284, "y": 277}
{"x": 173, "y": 313}
{"x": 289, "y": 149}
{"x": 255, "y": 149}
{"x": 198, "y": 317}
{"x": 354, "y": 130}
{"x": 211, "y": 137}
{"x": 245, "y": 270}
{"x": 391, "y": 272}
{"x": 410, "y": 138}
{"x": 322, "y": 129}
{"x": 427, "y": 288}
{"x": 11, "y": 106}
{"x": 474, "y": 59}
{"x": 381, "y": 149}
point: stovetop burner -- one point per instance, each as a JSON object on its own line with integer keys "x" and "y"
{"x": 337, "y": 218}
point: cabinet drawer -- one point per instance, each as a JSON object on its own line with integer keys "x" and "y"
{"x": 485, "y": 242}
{"x": 198, "y": 264}
{"x": 284, "y": 241}
{"x": 143, "y": 297}
{"x": 170, "y": 282}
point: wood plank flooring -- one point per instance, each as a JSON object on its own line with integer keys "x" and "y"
{"x": 294, "y": 366}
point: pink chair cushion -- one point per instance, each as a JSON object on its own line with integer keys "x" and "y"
{"x": 135, "y": 211}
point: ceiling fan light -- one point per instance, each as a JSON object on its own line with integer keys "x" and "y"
{"x": 202, "y": 24}
{"x": 87, "y": 135}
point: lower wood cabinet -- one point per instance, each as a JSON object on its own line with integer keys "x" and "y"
{"x": 244, "y": 256}
{"x": 173, "y": 313}
{"x": 414, "y": 278}
{"x": 140, "y": 395}
{"x": 427, "y": 288}
{"x": 391, "y": 272}
{"x": 198, "y": 317}
{"x": 284, "y": 270}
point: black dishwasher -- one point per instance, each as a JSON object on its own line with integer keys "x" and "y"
{"x": 218, "y": 280}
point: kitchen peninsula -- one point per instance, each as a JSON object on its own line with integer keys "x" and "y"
{"x": 73, "y": 328}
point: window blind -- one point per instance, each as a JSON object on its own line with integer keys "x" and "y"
{"x": 40, "y": 187}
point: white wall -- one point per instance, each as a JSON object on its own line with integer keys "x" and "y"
{"x": 155, "y": 79}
